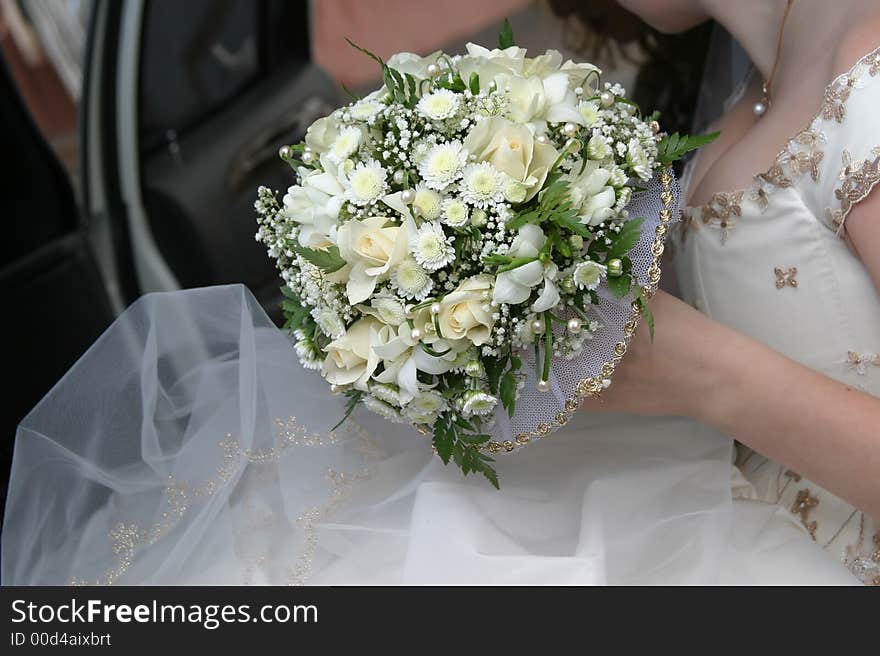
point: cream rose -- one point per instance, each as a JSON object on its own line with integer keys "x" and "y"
{"x": 371, "y": 247}
{"x": 350, "y": 358}
{"x": 465, "y": 313}
{"x": 512, "y": 149}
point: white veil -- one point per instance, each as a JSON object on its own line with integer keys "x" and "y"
{"x": 145, "y": 440}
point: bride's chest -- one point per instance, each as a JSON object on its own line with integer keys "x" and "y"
{"x": 761, "y": 262}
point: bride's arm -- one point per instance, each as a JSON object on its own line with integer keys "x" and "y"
{"x": 823, "y": 429}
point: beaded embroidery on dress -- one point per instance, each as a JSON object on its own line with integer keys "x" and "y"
{"x": 780, "y": 272}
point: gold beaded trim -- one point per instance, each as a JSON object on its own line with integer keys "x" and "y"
{"x": 592, "y": 387}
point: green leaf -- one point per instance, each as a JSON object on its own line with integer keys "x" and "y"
{"x": 354, "y": 397}
{"x": 494, "y": 369}
{"x": 572, "y": 225}
{"x": 351, "y": 94}
{"x": 328, "y": 259}
{"x": 620, "y": 286}
{"x": 505, "y": 37}
{"x": 508, "y": 392}
{"x": 474, "y": 83}
{"x": 496, "y": 259}
{"x": 627, "y": 238}
{"x": 647, "y": 315}
{"x": 293, "y": 310}
{"x": 444, "y": 440}
{"x": 673, "y": 147}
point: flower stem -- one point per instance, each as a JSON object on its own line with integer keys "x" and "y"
{"x": 548, "y": 345}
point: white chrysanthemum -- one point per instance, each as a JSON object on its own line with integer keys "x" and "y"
{"x": 618, "y": 177}
{"x": 345, "y": 144}
{"x": 428, "y": 202}
{"x": 308, "y": 352}
{"x": 597, "y": 147}
{"x": 482, "y": 184}
{"x": 329, "y": 322}
{"x": 478, "y": 403}
{"x": 439, "y": 105}
{"x": 389, "y": 309}
{"x": 624, "y": 196}
{"x": 411, "y": 280}
{"x": 387, "y": 393}
{"x": 442, "y": 164}
{"x": 381, "y": 408}
{"x": 637, "y": 158}
{"x": 589, "y": 110}
{"x": 425, "y": 407}
{"x": 455, "y": 212}
{"x": 588, "y": 275}
{"x": 366, "y": 183}
{"x": 431, "y": 247}
{"x": 365, "y": 109}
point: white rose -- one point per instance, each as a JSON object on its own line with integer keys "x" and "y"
{"x": 322, "y": 133}
{"x": 535, "y": 101}
{"x": 512, "y": 149}
{"x": 464, "y": 313}
{"x": 490, "y": 65}
{"x": 526, "y": 98}
{"x": 371, "y": 248}
{"x": 315, "y": 205}
{"x": 350, "y": 358}
{"x": 415, "y": 65}
{"x": 542, "y": 65}
{"x": 581, "y": 75}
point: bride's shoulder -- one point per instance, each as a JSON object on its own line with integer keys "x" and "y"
{"x": 861, "y": 40}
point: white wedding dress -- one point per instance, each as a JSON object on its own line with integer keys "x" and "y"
{"x": 177, "y": 450}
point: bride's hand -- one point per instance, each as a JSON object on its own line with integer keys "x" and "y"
{"x": 674, "y": 374}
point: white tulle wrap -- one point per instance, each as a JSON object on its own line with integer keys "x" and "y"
{"x": 188, "y": 445}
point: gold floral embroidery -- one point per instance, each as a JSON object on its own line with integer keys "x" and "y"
{"x": 836, "y": 95}
{"x": 126, "y": 539}
{"x": 861, "y": 361}
{"x": 858, "y": 178}
{"x": 803, "y": 505}
{"x": 803, "y": 162}
{"x": 802, "y": 154}
{"x": 786, "y": 277}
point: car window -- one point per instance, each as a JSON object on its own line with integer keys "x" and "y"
{"x": 197, "y": 55}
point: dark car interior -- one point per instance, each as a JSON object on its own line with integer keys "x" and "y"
{"x": 222, "y": 85}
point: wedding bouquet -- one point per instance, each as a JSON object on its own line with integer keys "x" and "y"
{"x": 453, "y": 238}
